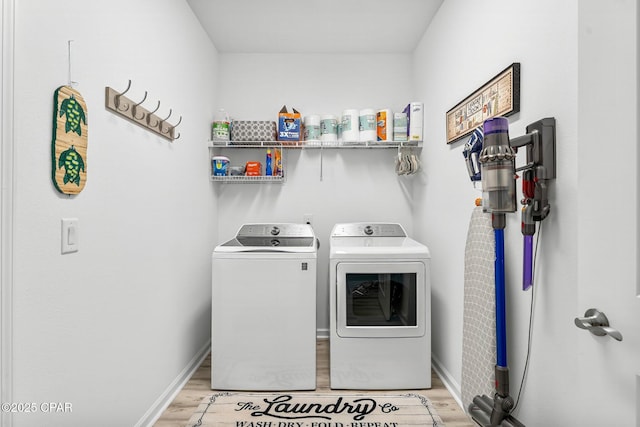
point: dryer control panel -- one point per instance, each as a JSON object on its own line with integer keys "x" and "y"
{"x": 364, "y": 229}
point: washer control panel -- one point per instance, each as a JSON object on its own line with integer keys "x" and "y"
{"x": 364, "y": 229}
{"x": 283, "y": 235}
{"x": 273, "y": 230}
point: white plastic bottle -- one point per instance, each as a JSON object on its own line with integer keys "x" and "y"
{"x": 221, "y": 126}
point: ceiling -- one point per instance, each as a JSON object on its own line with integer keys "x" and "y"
{"x": 315, "y": 26}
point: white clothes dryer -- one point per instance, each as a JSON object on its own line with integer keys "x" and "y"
{"x": 380, "y": 300}
{"x": 263, "y": 329}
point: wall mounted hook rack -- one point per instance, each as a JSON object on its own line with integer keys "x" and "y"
{"x": 136, "y": 113}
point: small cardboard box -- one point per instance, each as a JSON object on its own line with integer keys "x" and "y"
{"x": 253, "y": 168}
{"x": 289, "y": 125}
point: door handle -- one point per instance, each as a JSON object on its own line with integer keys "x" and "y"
{"x": 597, "y": 323}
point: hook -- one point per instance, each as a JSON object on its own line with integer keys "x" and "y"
{"x": 159, "y": 123}
{"x": 135, "y": 107}
{"x": 170, "y": 127}
{"x": 71, "y": 82}
{"x": 150, "y": 114}
{"x": 117, "y": 98}
{"x": 166, "y": 118}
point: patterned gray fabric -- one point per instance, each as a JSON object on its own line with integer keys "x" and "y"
{"x": 252, "y": 131}
{"x": 478, "y": 330}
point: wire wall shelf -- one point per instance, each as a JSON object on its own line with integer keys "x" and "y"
{"x": 314, "y": 144}
{"x": 231, "y": 179}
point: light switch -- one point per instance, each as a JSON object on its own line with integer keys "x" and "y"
{"x": 69, "y": 235}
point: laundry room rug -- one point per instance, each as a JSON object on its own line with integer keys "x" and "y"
{"x": 230, "y": 409}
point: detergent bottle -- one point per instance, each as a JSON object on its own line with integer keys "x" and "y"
{"x": 221, "y": 126}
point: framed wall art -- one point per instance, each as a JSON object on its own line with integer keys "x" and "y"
{"x": 500, "y": 96}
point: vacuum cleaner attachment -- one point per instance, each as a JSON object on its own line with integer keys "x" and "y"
{"x": 528, "y": 228}
{"x": 471, "y": 152}
{"x": 540, "y": 143}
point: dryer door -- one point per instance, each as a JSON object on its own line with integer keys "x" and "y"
{"x": 382, "y": 299}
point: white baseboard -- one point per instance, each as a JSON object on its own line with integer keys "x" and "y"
{"x": 447, "y": 379}
{"x": 165, "y": 399}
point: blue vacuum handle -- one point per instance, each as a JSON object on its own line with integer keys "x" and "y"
{"x": 501, "y": 317}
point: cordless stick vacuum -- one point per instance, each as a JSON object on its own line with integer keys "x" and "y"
{"x": 497, "y": 159}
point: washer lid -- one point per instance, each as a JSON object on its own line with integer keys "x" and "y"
{"x": 386, "y": 248}
{"x": 374, "y": 240}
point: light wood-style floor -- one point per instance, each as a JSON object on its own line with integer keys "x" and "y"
{"x": 199, "y": 386}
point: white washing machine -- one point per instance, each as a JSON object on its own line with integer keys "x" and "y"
{"x": 263, "y": 330}
{"x": 380, "y": 298}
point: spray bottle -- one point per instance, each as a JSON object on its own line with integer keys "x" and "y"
{"x": 269, "y": 167}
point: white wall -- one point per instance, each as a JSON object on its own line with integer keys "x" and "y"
{"x": 109, "y": 328}
{"x": 466, "y": 44}
{"x": 356, "y": 185}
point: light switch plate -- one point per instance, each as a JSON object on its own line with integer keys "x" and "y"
{"x": 69, "y": 235}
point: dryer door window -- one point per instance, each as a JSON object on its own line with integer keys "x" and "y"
{"x": 381, "y": 300}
